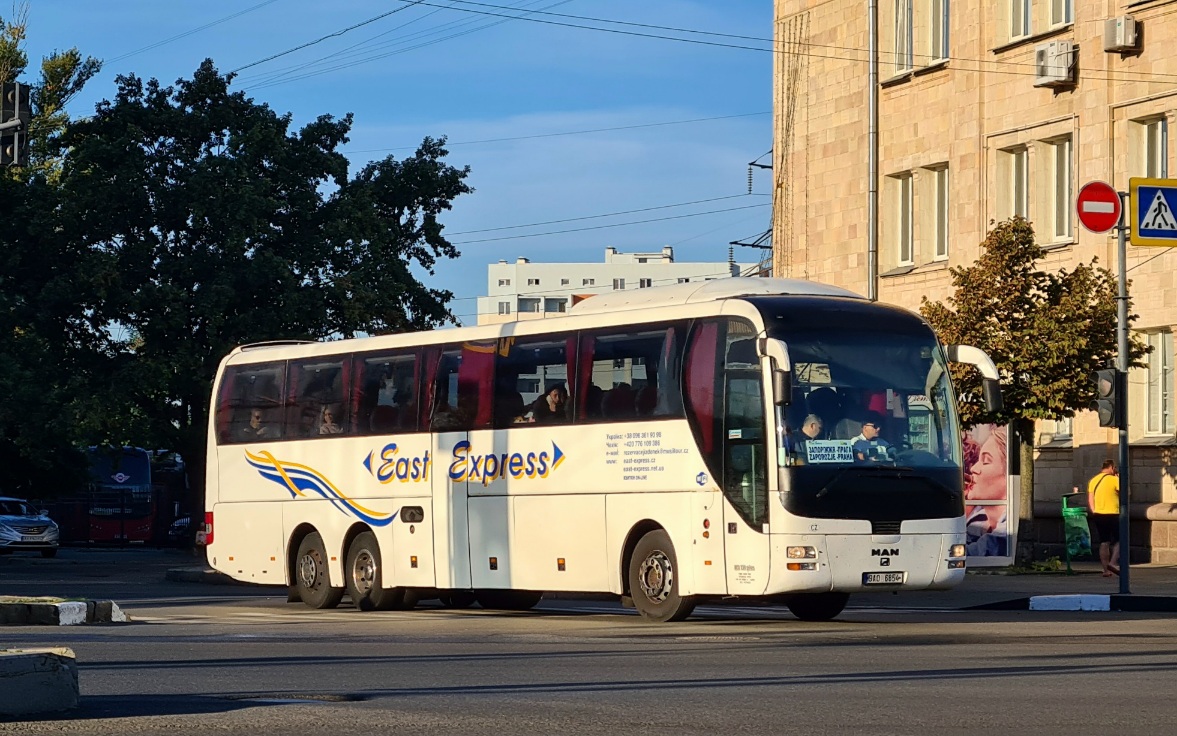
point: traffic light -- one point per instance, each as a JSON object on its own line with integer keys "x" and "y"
{"x": 1107, "y": 397}
{"x": 15, "y": 114}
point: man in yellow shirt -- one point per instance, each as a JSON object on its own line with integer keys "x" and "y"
{"x": 1103, "y": 499}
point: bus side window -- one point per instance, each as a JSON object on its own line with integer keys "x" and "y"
{"x": 254, "y": 402}
{"x": 316, "y": 402}
{"x": 462, "y": 387}
{"x": 531, "y": 381}
{"x": 385, "y": 393}
{"x": 635, "y": 373}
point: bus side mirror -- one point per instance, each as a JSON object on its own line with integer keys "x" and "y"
{"x": 782, "y": 387}
{"x": 990, "y": 378}
{"x": 991, "y": 392}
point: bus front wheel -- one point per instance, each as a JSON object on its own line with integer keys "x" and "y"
{"x": 365, "y": 577}
{"x": 310, "y": 573}
{"x": 653, "y": 580}
{"x": 817, "y": 606}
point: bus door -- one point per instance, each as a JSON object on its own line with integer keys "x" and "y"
{"x": 745, "y": 464}
{"x": 461, "y": 402}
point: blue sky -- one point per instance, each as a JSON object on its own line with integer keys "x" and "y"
{"x": 497, "y": 80}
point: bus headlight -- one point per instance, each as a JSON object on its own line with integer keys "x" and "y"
{"x": 957, "y": 551}
{"x": 801, "y": 553}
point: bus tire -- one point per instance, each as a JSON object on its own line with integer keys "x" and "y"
{"x": 817, "y": 606}
{"x": 310, "y": 573}
{"x": 457, "y": 598}
{"x": 364, "y": 577}
{"x": 653, "y": 580}
{"x": 408, "y": 601}
{"x": 508, "y": 600}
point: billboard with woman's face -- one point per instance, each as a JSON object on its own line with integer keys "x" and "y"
{"x": 986, "y": 484}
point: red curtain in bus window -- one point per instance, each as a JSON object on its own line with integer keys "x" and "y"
{"x": 573, "y": 385}
{"x": 476, "y": 380}
{"x": 353, "y": 386}
{"x": 584, "y": 378}
{"x": 700, "y": 379}
{"x": 430, "y": 358}
{"x": 225, "y": 405}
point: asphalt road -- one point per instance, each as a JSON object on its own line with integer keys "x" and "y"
{"x": 240, "y": 660}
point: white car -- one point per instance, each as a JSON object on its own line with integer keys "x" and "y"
{"x": 24, "y": 527}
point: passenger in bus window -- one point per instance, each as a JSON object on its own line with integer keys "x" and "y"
{"x": 549, "y": 408}
{"x": 811, "y": 429}
{"x": 255, "y": 430}
{"x": 327, "y": 423}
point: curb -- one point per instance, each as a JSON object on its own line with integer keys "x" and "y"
{"x": 1085, "y": 602}
{"x": 55, "y": 612}
{"x": 38, "y": 681}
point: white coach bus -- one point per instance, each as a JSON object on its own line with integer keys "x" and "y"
{"x": 651, "y": 444}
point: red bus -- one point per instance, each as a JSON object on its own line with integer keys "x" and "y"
{"x": 122, "y": 502}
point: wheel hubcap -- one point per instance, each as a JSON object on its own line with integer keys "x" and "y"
{"x": 656, "y": 576}
{"x": 308, "y": 571}
{"x": 363, "y": 574}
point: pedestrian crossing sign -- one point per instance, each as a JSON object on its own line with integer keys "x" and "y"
{"x": 1154, "y": 211}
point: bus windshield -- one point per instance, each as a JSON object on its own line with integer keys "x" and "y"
{"x": 871, "y": 429}
{"x": 869, "y": 399}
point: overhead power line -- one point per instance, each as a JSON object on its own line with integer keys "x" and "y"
{"x": 178, "y": 36}
{"x": 604, "y": 227}
{"x": 596, "y": 217}
{"x": 574, "y": 132}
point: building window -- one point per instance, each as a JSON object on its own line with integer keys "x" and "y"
{"x": 588, "y": 282}
{"x": 903, "y": 212}
{"x": 504, "y": 282}
{"x": 939, "y": 30}
{"x": 903, "y": 35}
{"x": 555, "y": 305}
{"x": 529, "y": 305}
{"x": 1154, "y": 148}
{"x": 642, "y": 260}
{"x": 533, "y": 282}
{"x": 618, "y": 284}
{"x": 504, "y": 307}
{"x": 563, "y": 282}
{"x": 645, "y": 283}
{"x": 1062, "y": 201}
{"x": 1062, "y": 428}
{"x": 1159, "y": 390}
{"x": 1013, "y": 183}
{"x": 941, "y": 181}
{"x": 1062, "y": 12}
{"x": 684, "y": 280}
{"x": 1019, "y": 18}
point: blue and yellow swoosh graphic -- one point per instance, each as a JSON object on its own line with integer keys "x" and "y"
{"x": 301, "y": 480}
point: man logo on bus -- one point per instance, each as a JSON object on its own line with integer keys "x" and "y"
{"x": 398, "y": 467}
{"x": 491, "y": 467}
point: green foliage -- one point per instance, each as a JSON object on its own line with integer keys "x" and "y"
{"x": 1045, "y": 331}
{"x": 217, "y": 225}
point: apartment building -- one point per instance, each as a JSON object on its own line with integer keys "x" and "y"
{"x": 527, "y": 290}
{"x": 987, "y": 109}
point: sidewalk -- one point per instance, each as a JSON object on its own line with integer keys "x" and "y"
{"x": 1153, "y": 588}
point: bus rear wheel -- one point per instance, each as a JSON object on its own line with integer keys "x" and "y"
{"x": 508, "y": 600}
{"x": 310, "y": 574}
{"x": 653, "y": 580}
{"x": 365, "y": 577}
{"x": 817, "y": 606}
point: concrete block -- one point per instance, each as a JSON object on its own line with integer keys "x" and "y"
{"x": 14, "y": 614}
{"x": 66, "y": 613}
{"x": 37, "y": 681}
{"x": 1081, "y": 602}
{"x": 107, "y": 612}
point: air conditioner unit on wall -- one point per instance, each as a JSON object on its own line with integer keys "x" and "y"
{"x": 1120, "y": 34}
{"x": 1054, "y": 64}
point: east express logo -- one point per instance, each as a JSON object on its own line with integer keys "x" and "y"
{"x": 390, "y": 464}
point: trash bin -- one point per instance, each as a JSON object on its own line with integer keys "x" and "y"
{"x": 1075, "y": 529}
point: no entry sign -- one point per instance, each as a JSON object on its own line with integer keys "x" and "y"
{"x": 1099, "y": 207}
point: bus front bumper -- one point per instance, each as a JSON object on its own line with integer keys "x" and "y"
{"x": 853, "y": 563}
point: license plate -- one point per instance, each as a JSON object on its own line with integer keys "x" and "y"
{"x": 882, "y": 578}
{"x": 31, "y": 538}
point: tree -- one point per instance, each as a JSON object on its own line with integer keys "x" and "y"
{"x": 225, "y": 227}
{"x": 47, "y": 345}
{"x": 1045, "y": 331}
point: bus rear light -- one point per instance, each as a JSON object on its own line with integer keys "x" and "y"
{"x": 956, "y": 564}
{"x": 801, "y": 566}
{"x": 207, "y": 532}
{"x": 706, "y": 523}
{"x": 957, "y": 550}
{"x": 801, "y": 553}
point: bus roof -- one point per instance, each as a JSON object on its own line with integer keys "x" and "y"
{"x": 705, "y": 291}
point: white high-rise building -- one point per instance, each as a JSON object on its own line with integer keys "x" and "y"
{"x": 526, "y": 290}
